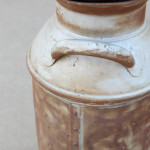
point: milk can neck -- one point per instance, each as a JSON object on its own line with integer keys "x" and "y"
{"x": 101, "y": 19}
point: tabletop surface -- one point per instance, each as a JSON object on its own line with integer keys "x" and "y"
{"x": 20, "y": 21}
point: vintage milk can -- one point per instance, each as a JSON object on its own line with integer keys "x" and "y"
{"x": 90, "y": 65}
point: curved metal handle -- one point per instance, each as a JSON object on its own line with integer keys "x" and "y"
{"x": 92, "y": 48}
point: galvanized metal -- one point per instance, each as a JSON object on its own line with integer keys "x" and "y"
{"x": 90, "y": 69}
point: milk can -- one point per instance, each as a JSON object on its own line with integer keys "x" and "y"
{"x": 90, "y": 65}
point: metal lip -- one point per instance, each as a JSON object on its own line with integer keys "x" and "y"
{"x": 94, "y": 100}
{"x": 103, "y": 8}
{"x": 103, "y": 3}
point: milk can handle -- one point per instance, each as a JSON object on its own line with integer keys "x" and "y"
{"x": 95, "y": 49}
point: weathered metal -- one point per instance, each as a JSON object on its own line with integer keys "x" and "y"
{"x": 91, "y": 85}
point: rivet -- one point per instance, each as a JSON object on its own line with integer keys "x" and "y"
{"x": 75, "y": 129}
{"x": 75, "y": 144}
{"x": 75, "y": 113}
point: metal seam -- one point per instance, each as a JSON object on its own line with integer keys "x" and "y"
{"x": 68, "y": 101}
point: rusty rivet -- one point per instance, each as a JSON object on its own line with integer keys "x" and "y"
{"x": 75, "y": 113}
{"x": 75, "y": 129}
{"x": 75, "y": 144}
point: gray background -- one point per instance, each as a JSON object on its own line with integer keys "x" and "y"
{"x": 20, "y": 21}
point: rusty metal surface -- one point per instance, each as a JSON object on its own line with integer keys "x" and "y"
{"x": 57, "y": 122}
{"x": 123, "y": 128}
{"x": 59, "y": 125}
{"x": 52, "y": 120}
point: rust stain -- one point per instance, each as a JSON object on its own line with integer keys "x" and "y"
{"x": 81, "y": 30}
{"x": 124, "y": 128}
{"x": 135, "y": 20}
{"x": 52, "y": 120}
{"x": 100, "y": 8}
{"x": 122, "y": 24}
{"x": 57, "y": 123}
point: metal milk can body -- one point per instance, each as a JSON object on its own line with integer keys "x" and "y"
{"x": 91, "y": 77}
